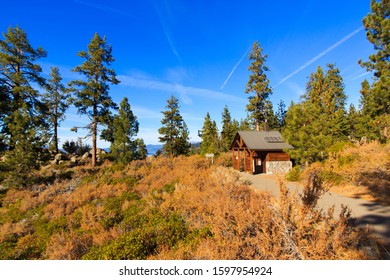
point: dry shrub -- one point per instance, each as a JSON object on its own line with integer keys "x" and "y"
{"x": 361, "y": 171}
{"x": 13, "y": 196}
{"x": 68, "y": 246}
{"x": 250, "y": 225}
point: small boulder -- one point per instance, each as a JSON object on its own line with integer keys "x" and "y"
{"x": 85, "y": 155}
{"x": 99, "y": 151}
{"x": 73, "y": 159}
{"x": 59, "y": 157}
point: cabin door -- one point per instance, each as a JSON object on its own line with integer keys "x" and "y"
{"x": 257, "y": 165}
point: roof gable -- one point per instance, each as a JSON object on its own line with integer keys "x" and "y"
{"x": 262, "y": 140}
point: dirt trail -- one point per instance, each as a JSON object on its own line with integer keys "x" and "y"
{"x": 367, "y": 213}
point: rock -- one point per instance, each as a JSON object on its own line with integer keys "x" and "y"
{"x": 73, "y": 159}
{"x": 59, "y": 157}
{"x": 99, "y": 151}
{"x": 85, "y": 155}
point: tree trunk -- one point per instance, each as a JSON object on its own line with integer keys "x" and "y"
{"x": 94, "y": 135}
{"x": 55, "y": 136}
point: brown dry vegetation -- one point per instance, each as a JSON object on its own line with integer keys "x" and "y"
{"x": 360, "y": 171}
{"x": 180, "y": 208}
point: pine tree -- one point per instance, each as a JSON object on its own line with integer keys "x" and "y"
{"x": 270, "y": 117}
{"x": 125, "y": 128}
{"x": 364, "y": 120}
{"x": 320, "y": 120}
{"x": 296, "y": 132}
{"x": 281, "y": 114}
{"x": 183, "y": 144}
{"x": 141, "y": 151}
{"x": 19, "y": 78}
{"x": 228, "y": 130}
{"x": 244, "y": 124}
{"x": 259, "y": 85}
{"x": 358, "y": 124}
{"x": 377, "y": 25}
{"x": 174, "y": 130}
{"x": 27, "y": 150}
{"x": 92, "y": 94}
{"x": 210, "y": 139}
{"x": 57, "y": 101}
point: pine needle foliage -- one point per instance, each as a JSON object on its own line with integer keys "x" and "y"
{"x": 258, "y": 84}
{"x": 320, "y": 119}
{"x": 92, "y": 94}
{"x": 174, "y": 132}
{"x": 210, "y": 138}
{"x": 20, "y": 76}
{"x": 56, "y": 99}
{"x": 125, "y": 127}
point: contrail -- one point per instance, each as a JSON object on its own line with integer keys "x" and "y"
{"x": 314, "y": 59}
{"x": 234, "y": 68}
{"x": 100, "y": 7}
{"x": 167, "y": 33}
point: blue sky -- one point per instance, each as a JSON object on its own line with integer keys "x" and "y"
{"x": 196, "y": 50}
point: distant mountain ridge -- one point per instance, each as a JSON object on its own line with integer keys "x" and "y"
{"x": 153, "y": 148}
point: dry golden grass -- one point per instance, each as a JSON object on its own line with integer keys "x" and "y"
{"x": 361, "y": 172}
{"x": 188, "y": 208}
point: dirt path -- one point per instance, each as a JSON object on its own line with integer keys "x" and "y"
{"x": 367, "y": 213}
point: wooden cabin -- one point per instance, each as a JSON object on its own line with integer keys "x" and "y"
{"x": 260, "y": 152}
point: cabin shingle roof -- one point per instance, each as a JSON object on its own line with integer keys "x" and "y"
{"x": 263, "y": 140}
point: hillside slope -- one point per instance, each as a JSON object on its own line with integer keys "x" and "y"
{"x": 180, "y": 208}
{"x": 360, "y": 171}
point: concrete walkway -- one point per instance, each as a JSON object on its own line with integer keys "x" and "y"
{"x": 367, "y": 213}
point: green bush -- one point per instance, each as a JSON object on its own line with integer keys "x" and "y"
{"x": 294, "y": 175}
{"x": 338, "y": 147}
{"x": 347, "y": 159}
{"x": 148, "y": 232}
{"x": 332, "y": 177}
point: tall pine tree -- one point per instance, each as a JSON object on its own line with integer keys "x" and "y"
{"x": 377, "y": 25}
{"x": 92, "y": 94}
{"x": 320, "y": 120}
{"x": 20, "y": 76}
{"x": 23, "y": 126}
{"x": 258, "y": 84}
{"x": 174, "y": 132}
{"x": 57, "y": 100}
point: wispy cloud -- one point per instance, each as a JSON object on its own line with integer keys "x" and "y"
{"x": 317, "y": 57}
{"x": 144, "y": 113}
{"x": 175, "y": 88}
{"x": 234, "y": 68}
{"x": 356, "y": 77}
{"x": 167, "y": 32}
{"x": 100, "y": 7}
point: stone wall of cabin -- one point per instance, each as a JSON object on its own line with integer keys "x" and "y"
{"x": 278, "y": 167}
